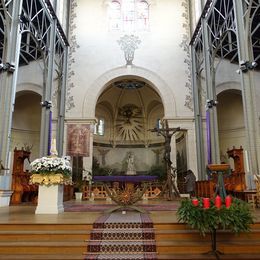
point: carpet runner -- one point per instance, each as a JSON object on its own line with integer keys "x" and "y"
{"x": 122, "y": 236}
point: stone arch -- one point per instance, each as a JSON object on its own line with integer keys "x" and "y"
{"x": 31, "y": 87}
{"x": 100, "y": 84}
{"x": 231, "y": 85}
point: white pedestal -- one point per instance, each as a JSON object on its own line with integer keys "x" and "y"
{"x": 50, "y": 199}
{"x": 5, "y": 197}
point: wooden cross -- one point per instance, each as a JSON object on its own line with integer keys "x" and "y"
{"x": 167, "y": 133}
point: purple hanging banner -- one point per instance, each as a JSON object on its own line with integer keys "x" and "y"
{"x": 49, "y": 134}
{"x": 208, "y": 136}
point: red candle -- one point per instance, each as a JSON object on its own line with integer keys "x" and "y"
{"x": 206, "y": 203}
{"x": 228, "y": 201}
{"x": 195, "y": 202}
{"x": 218, "y": 202}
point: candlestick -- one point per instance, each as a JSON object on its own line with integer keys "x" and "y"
{"x": 218, "y": 202}
{"x": 228, "y": 201}
{"x": 247, "y": 161}
{"x": 195, "y": 202}
{"x": 206, "y": 203}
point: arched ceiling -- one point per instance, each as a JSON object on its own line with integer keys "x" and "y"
{"x": 143, "y": 96}
{"x": 132, "y": 107}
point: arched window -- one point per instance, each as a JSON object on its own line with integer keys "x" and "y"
{"x": 159, "y": 123}
{"x": 114, "y": 15}
{"x": 142, "y": 10}
{"x": 128, "y": 15}
{"x": 100, "y": 127}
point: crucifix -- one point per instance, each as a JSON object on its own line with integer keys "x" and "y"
{"x": 169, "y": 185}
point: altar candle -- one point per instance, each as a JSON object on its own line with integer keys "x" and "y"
{"x": 195, "y": 202}
{"x": 218, "y": 202}
{"x": 228, "y": 201}
{"x": 206, "y": 203}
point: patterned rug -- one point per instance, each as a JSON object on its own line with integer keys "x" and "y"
{"x": 122, "y": 236}
{"x": 102, "y": 207}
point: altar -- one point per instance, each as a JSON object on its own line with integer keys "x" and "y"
{"x": 125, "y": 190}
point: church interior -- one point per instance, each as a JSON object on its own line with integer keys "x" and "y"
{"x": 132, "y": 95}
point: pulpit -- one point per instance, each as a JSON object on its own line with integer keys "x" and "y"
{"x": 22, "y": 191}
{"x": 236, "y": 182}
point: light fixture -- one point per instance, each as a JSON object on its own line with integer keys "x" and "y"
{"x": 7, "y": 67}
{"x": 244, "y": 66}
{"x": 210, "y": 103}
{"x": 47, "y": 104}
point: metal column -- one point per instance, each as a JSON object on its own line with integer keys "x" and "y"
{"x": 61, "y": 112}
{"x": 248, "y": 90}
{"x": 47, "y": 95}
{"x": 198, "y": 120}
{"x": 9, "y": 80}
{"x": 211, "y": 95}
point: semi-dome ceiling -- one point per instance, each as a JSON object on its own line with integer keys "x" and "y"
{"x": 133, "y": 91}
{"x": 132, "y": 107}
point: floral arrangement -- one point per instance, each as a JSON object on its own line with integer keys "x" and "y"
{"x": 51, "y": 170}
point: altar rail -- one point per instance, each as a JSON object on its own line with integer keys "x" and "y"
{"x": 97, "y": 191}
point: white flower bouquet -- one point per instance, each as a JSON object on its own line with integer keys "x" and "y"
{"x": 51, "y": 165}
{"x": 45, "y": 169}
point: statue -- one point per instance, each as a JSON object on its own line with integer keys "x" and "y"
{"x": 130, "y": 165}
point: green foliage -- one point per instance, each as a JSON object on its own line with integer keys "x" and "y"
{"x": 97, "y": 170}
{"x": 78, "y": 185}
{"x": 237, "y": 218}
{"x": 158, "y": 170}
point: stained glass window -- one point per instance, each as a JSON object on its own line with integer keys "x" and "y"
{"x": 100, "y": 127}
{"x": 114, "y": 15}
{"x": 142, "y": 15}
{"x": 129, "y": 15}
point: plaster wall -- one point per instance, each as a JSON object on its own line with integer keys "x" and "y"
{"x": 159, "y": 53}
{"x": 31, "y": 74}
{"x": 116, "y": 159}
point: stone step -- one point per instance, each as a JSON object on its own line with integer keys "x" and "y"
{"x": 173, "y": 256}
{"x": 42, "y": 247}
{"x": 41, "y": 256}
{"x": 207, "y": 256}
{"x": 55, "y": 227}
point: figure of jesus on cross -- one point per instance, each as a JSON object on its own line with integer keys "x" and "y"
{"x": 167, "y": 133}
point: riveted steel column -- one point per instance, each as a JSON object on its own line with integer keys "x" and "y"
{"x": 198, "y": 120}
{"x": 9, "y": 79}
{"x": 47, "y": 95}
{"x": 211, "y": 95}
{"x": 61, "y": 112}
{"x": 248, "y": 90}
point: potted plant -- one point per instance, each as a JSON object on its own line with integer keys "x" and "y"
{"x": 237, "y": 217}
{"x": 50, "y": 173}
{"x": 78, "y": 188}
{"x": 80, "y": 184}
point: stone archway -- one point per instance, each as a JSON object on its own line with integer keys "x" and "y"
{"x": 125, "y": 111}
{"x": 230, "y": 120}
{"x": 26, "y": 121}
{"x": 100, "y": 84}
